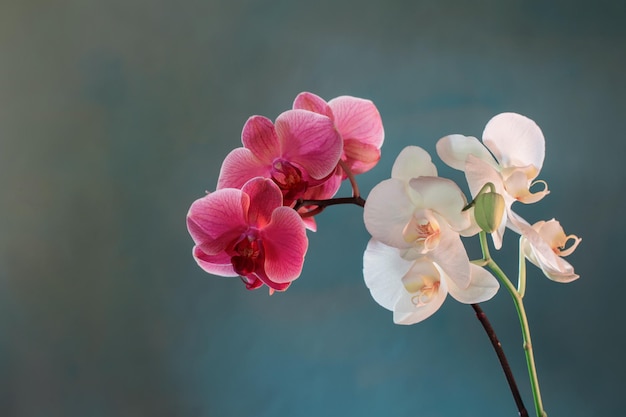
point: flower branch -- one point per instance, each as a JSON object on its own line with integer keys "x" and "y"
{"x": 288, "y": 171}
{"x": 521, "y": 313}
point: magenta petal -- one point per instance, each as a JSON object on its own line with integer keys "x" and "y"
{"x": 285, "y": 244}
{"x": 265, "y": 196}
{"x": 360, "y": 157}
{"x": 358, "y": 119}
{"x": 325, "y": 190}
{"x": 240, "y": 166}
{"x": 278, "y": 286}
{"x": 312, "y": 102}
{"x": 259, "y": 136}
{"x": 309, "y": 140}
{"x": 214, "y": 264}
{"x": 217, "y": 219}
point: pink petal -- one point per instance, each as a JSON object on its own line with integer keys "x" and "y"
{"x": 259, "y": 136}
{"x": 360, "y": 157}
{"x": 285, "y": 243}
{"x": 325, "y": 190}
{"x": 358, "y": 119}
{"x": 312, "y": 102}
{"x": 217, "y": 219}
{"x": 277, "y": 286}
{"x": 515, "y": 140}
{"x": 309, "y": 140}
{"x": 214, "y": 264}
{"x": 265, "y": 196}
{"x": 240, "y": 166}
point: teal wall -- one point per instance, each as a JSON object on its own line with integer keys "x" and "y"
{"x": 115, "y": 115}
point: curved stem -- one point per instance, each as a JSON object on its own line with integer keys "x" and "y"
{"x": 321, "y": 204}
{"x": 504, "y": 363}
{"x": 521, "y": 280}
{"x": 348, "y": 171}
{"x": 521, "y": 313}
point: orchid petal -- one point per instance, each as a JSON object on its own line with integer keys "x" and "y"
{"x": 217, "y": 219}
{"x": 483, "y": 286}
{"x": 443, "y": 196}
{"x": 518, "y": 186}
{"x": 312, "y": 102}
{"x": 274, "y": 286}
{"x": 455, "y": 149}
{"x": 259, "y": 136}
{"x": 452, "y": 258}
{"x": 358, "y": 119}
{"x": 515, "y": 140}
{"x": 219, "y": 264}
{"x": 360, "y": 157}
{"x": 407, "y": 312}
{"x": 325, "y": 190}
{"x": 387, "y": 212}
{"x": 265, "y": 196}
{"x": 310, "y": 223}
{"x": 239, "y": 166}
{"x": 383, "y": 269}
{"x": 552, "y": 232}
{"x": 539, "y": 247}
{"x": 479, "y": 173}
{"x": 285, "y": 244}
{"x": 413, "y": 162}
{"x": 309, "y": 140}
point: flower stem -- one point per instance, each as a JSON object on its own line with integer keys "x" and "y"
{"x": 353, "y": 184}
{"x": 497, "y": 346}
{"x": 521, "y": 313}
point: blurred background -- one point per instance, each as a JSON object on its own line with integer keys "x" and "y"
{"x": 115, "y": 116}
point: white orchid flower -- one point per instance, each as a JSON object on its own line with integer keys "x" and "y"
{"x": 420, "y": 214}
{"x": 415, "y": 289}
{"x": 544, "y": 244}
{"x": 511, "y": 158}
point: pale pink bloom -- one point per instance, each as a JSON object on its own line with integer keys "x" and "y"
{"x": 544, "y": 243}
{"x": 299, "y": 151}
{"x": 359, "y": 124}
{"x": 415, "y": 289}
{"x": 518, "y": 146}
{"x": 421, "y": 215}
{"x": 248, "y": 232}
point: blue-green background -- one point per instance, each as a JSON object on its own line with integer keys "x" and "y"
{"x": 115, "y": 116}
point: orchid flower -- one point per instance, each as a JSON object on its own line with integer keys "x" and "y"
{"x": 248, "y": 232}
{"x": 358, "y": 122}
{"x": 416, "y": 289}
{"x": 420, "y": 214}
{"x": 299, "y": 151}
{"x": 544, "y": 243}
{"x": 518, "y": 146}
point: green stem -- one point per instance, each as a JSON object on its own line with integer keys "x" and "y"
{"x": 521, "y": 280}
{"x": 521, "y": 313}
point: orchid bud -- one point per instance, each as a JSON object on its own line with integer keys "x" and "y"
{"x": 488, "y": 211}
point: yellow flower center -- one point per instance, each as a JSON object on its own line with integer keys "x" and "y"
{"x": 422, "y": 230}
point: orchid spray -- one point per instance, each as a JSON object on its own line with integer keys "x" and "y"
{"x": 288, "y": 171}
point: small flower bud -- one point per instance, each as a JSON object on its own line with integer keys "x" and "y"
{"x": 488, "y": 211}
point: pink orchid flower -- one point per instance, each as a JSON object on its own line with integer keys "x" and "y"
{"x": 299, "y": 151}
{"x": 359, "y": 124}
{"x": 248, "y": 232}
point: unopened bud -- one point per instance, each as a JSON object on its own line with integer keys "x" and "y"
{"x": 488, "y": 211}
